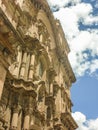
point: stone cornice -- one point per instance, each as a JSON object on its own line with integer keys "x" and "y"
{"x": 21, "y": 86}
{"x": 68, "y": 69}
{"x": 67, "y": 117}
{"x": 59, "y": 51}
{"x": 66, "y": 96}
{"x": 59, "y": 29}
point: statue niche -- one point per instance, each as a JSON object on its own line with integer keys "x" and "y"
{"x": 44, "y": 36}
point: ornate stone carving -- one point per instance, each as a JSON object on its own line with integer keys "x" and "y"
{"x": 41, "y": 5}
{"x": 33, "y": 91}
{"x": 24, "y": 23}
{"x": 28, "y": 111}
{"x": 33, "y": 31}
{"x": 55, "y": 88}
{"x": 67, "y": 120}
{"x": 16, "y": 108}
{"x": 43, "y": 34}
{"x": 51, "y": 74}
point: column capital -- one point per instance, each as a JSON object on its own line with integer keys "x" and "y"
{"x": 16, "y": 108}
{"x": 28, "y": 111}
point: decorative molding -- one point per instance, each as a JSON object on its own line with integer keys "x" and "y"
{"x": 66, "y": 118}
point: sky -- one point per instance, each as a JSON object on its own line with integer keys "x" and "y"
{"x": 79, "y": 19}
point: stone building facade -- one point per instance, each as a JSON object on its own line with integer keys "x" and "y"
{"x": 35, "y": 74}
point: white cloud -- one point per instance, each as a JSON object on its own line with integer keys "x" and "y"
{"x": 83, "y": 123}
{"x": 71, "y": 16}
{"x": 81, "y": 60}
{"x": 93, "y": 124}
{"x": 62, "y": 3}
{"x": 90, "y": 20}
{"x": 82, "y": 10}
{"x": 80, "y": 41}
{"x": 69, "y": 21}
{"x": 94, "y": 66}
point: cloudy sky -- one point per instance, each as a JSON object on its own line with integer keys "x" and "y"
{"x": 79, "y": 19}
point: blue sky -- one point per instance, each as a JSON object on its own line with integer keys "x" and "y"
{"x": 79, "y": 19}
{"x": 85, "y": 95}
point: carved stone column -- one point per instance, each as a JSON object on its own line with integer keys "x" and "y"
{"x": 23, "y": 65}
{"x": 15, "y": 117}
{"x": 51, "y": 89}
{"x": 18, "y": 62}
{"x": 31, "y": 69}
{"x": 27, "y": 66}
{"x": 26, "y": 123}
{"x": 41, "y": 38}
{"x": 51, "y": 74}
